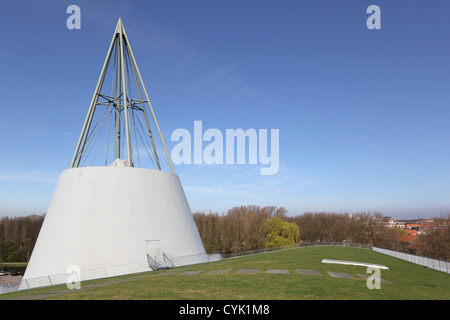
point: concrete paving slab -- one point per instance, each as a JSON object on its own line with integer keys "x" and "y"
{"x": 247, "y": 271}
{"x": 307, "y": 272}
{"x": 365, "y": 276}
{"x": 219, "y": 271}
{"x": 340, "y": 275}
{"x": 191, "y": 272}
{"x": 278, "y": 271}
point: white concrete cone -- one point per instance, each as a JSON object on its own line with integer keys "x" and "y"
{"x": 104, "y": 221}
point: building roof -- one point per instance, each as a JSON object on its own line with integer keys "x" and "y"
{"x": 407, "y": 237}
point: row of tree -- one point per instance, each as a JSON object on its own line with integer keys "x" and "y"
{"x": 246, "y": 228}
{"x": 360, "y": 228}
{"x": 249, "y": 228}
{"x": 436, "y": 243}
{"x": 18, "y": 236}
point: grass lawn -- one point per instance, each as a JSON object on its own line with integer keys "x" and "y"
{"x": 407, "y": 281}
{"x": 14, "y": 264}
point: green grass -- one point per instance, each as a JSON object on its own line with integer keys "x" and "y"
{"x": 14, "y": 264}
{"x": 407, "y": 280}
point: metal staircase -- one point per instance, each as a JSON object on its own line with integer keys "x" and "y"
{"x": 155, "y": 265}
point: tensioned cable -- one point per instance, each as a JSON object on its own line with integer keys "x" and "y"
{"x": 143, "y": 142}
{"x": 92, "y": 132}
{"x": 107, "y": 139}
{"x": 141, "y": 101}
{"x": 140, "y": 131}
{"x": 109, "y": 105}
{"x": 135, "y": 137}
{"x": 96, "y": 132}
{"x": 146, "y": 149}
{"x": 129, "y": 92}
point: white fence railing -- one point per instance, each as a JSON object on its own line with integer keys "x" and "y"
{"x": 431, "y": 263}
{"x": 8, "y": 287}
{"x": 106, "y": 272}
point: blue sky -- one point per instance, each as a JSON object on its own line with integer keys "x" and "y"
{"x": 363, "y": 115}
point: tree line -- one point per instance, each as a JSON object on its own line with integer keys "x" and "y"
{"x": 18, "y": 236}
{"x": 247, "y": 228}
{"x": 436, "y": 243}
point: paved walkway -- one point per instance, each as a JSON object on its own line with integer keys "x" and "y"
{"x": 10, "y": 279}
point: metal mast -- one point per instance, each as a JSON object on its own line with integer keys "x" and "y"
{"x": 126, "y": 111}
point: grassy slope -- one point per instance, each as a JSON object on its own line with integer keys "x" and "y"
{"x": 408, "y": 281}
